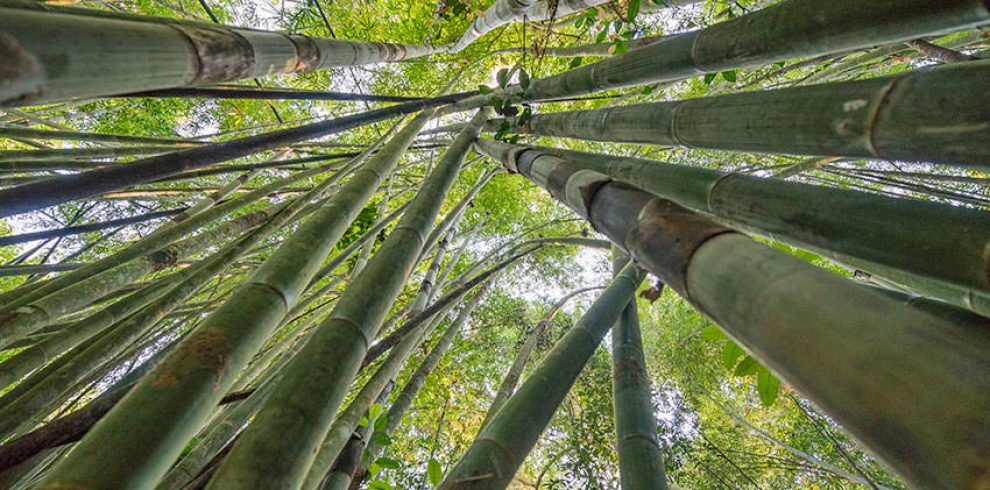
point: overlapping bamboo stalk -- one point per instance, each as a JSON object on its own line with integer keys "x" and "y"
{"x": 63, "y": 53}
{"x": 876, "y": 364}
{"x": 498, "y": 451}
{"x": 914, "y": 116}
{"x": 139, "y": 444}
{"x": 868, "y": 231}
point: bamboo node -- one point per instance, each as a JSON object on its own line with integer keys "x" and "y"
{"x": 223, "y": 54}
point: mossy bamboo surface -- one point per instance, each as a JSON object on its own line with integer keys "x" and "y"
{"x": 914, "y": 116}
{"x": 637, "y": 441}
{"x": 912, "y": 386}
{"x": 894, "y": 233}
{"x": 135, "y": 446}
{"x": 531, "y": 339}
{"x": 500, "y": 448}
{"x": 300, "y": 410}
{"x": 63, "y": 53}
{"x": 56, "y": 190}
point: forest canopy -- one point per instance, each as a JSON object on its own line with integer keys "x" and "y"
{"x": 494, "y": 244}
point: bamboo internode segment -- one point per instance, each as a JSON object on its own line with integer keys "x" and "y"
{"x": 913, "y": 386}
{"x": 915, "y": 116}
{"x": 875, "y": 233}
{"x": 500, "y": 13}
{"x": 54, "y": 53}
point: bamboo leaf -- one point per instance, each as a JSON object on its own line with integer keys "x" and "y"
{"x": 388, "y": 463}
{"x": 731, "y": 354}
{"x": 767, "y": 385}
{"x": 747, "y": 366}
{"x": 435, "y": 472}
{"x": 633, "y": 10}
{"x": 712, "y": 333}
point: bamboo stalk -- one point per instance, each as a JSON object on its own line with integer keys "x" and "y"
{"x": 531, "y": 339}
{"x": 498, "y": 451}
{"x": 44, "y": 134}
{"x": 405, "y": 398}
{"x": 640, "y": 456}
{"x": 315, "y": 381}
{"x": 498, "y": 14}
{"x": 63, "y": 53}
{"x": 266, "y": 94}
{"x": 784, "y": 31}
{"x": 895, "y": 233}
{"x": 37, "y": 195}
{"x": 135, "y": 446}
{"x": 78, "y": 229}
{"x": 911, "y": 385}
{"x": 915, "y": 116}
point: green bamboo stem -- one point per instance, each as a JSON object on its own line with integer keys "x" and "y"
{"x": 217, "y": 196}
{"x": 467, "y": 281}
{"x": 547, "y": 9}
{"x": 315, "y": 381}
{"x": 132, "y": 327}
{"x": 499, "y": 450}
{"x": 44, "y": 134}
{"x": 61, "y": 53}
{"x": 93, "y": 152}
{"x": 346, "y": 422}
{"x": 265, "y": 94}
{"x": 531, "y": 339}
{"x": 457, "y": 212}
{"x": 79, "y": 229}
{"x": 595, "y": 49}
{"x": 405, "y": 398}
{"x": 498, "y": 14}
{"x": 813, "y": 28}
{"x": 135, "y": 446}
{"x": 29, "y": 317}
{"x": 910, "y": 385}
{"x": 160, "y": 238}
{"x": 56, "y": 190}
{"x": 40, "y": 353}
{"x": 913, "y": 116}
{"x": 640, "y": 456}
{"x": 894, "y": 233}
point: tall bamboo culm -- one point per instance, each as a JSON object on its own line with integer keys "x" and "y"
{"x": 295, "y": 418}
{"x": 63, "y": 53}
{"x": 637, "y": 440}
{"x": 787, "y": 30}
{"x": 140, "y": 438}
{"x": 915, "y": 116}
{"x": 500, "y": 448}
{"x": 890, "y": 237}
{"x": 876, "y": 364}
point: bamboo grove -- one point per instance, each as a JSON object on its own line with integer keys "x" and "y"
{"x": 368, "y": 244}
